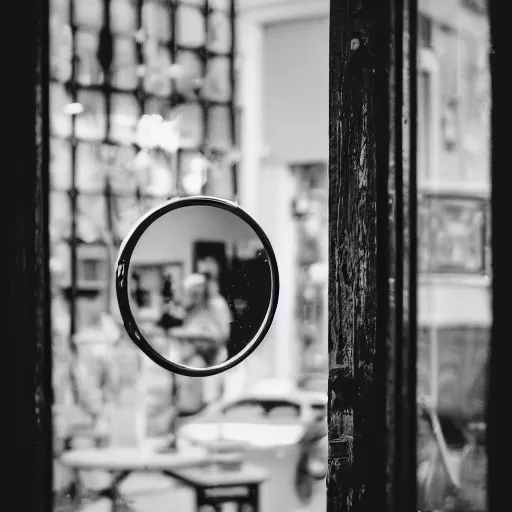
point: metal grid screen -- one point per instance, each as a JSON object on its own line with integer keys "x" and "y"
{"x": 114, "y": 62}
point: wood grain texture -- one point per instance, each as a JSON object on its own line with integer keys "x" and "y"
{"x": 369, "y": 282}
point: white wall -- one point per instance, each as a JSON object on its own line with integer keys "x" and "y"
{"x": 454, "y": 302}
{"x": 171, "y": 237}
{"x": 296, "y": 90}
{"x": 284, "y": 83}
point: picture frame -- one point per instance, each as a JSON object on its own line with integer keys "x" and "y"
{"x": 152, "y": 279}
{"x": 453, "y": 235}
{"x": 92, "y": 267}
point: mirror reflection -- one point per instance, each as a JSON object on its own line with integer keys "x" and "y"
{"x": 200, "y": 285}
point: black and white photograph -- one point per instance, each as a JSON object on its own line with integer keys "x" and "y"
{"x": 211, "y": 303}
{"x": 256, "y": 262}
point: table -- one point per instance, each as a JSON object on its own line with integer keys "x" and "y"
{"x": 193, "y": 467}
{"x": 121, "y": 463}
{"x": 214, "y": 487}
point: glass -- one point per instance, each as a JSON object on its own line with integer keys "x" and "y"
{"x": 454, "y": 295}
{"x": 107, "y": 393}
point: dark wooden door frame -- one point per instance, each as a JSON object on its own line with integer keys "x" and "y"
{"x": 378, "y": 350}
{"x": 27, "y": 339}
{"x": 499, "y": 424}
{"x": 372, "y": 279}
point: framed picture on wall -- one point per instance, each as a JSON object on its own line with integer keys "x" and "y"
{"x": 92, "y": 267}
{"x": 152, "y": 282}
{"x": 452, "y": 235}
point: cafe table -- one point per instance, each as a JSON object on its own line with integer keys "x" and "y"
{"x": 216, "y": 478}
{"x": 216, "y": 488}
{"x": 120, "y": 463}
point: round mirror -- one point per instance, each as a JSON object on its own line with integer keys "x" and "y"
{"x": 197, "y": 285}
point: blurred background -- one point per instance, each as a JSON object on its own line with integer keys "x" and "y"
{"x": 151, "y": 99}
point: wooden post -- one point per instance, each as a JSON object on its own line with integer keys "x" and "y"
{"x": 26, "y": 340}
{"x": 371, "y": 276}
{"x": 499, "y": 424}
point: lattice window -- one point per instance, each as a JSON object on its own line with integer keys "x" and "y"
{"x": 116, "y": 65}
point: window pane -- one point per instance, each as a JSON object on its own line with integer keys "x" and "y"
{"x": 173, "y": 61}
{"x": 454, "y": 303}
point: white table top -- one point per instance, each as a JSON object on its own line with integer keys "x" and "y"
{"x": 133, "y": 459}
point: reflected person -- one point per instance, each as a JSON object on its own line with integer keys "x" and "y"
{"x": 202, "y": 323}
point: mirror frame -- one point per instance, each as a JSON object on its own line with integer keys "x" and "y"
{"x": 122, "y": 289}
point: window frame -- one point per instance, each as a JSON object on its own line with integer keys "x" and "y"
{"x": 28, "y": 295}
{"x": 429, "y": 65}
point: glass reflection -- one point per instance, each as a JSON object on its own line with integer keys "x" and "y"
{"x": 454, "y": 288}
{"x": 175, "y": 60}
{"x": 200, "y": 274}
